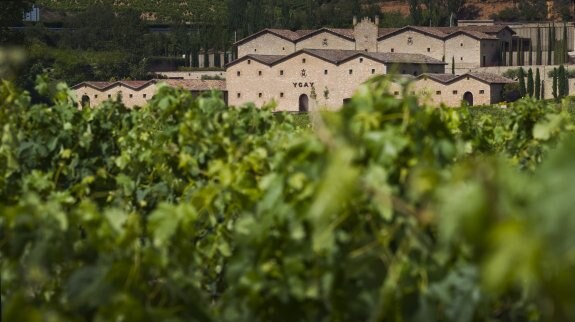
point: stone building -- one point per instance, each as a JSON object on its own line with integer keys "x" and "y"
{"x": 138, "y": 93}
{"x": 299, "y": 69}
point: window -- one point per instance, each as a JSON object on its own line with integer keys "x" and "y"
{"x": 260, "y": 95}
{"x": 461, "y": 44}
{"x": 96, "y": 96}
{"x": 303, "y": 60}
{"x": 259, "y": 72}
{"x": 373, "y": 71}
{"x": 283, "y": 48}
{"x": 409, "y": 41}
{"x": 281, "y": 94}
{"x": 396, "y": 93}
{"x": 428, "y": 50}
{"x": 438, "y": 93}
{"x": 109, "y": 96}
{"x": 481, "y": 91}
{"x": 361, "y": 60}
{"x": 131, "y": 95}
{"x": 281, "y": 72}
{"x": 461, "y": 58}
{"x": 455, "y": 92}
{"x": 351, "y": 71}
{"x": 238, "y": 73}
{"x": 239, "y": 95}
{"x": 325, "y": 71}
{"x": 145, "y": 95}
{"x": 255, "y": 50}
{"x": 249, "y": 61}
{"x": 392, "y": 50}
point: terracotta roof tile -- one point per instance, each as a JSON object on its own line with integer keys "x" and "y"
{"x": 492, "y": 78}
{"x": 98, "y": 85}
{"x": 195, "y": 84}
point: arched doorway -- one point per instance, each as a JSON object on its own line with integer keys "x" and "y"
{"x": 85, "y": 101}
{"x": 468, "y": 97}
{"x": 303, "y": 103}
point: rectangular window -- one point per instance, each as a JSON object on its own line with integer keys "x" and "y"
{"x": 145, "y": 95}
{"x": 481, "y": 92}
{"x": 96, "y": 96}
{"x": 303, "y": 60}
{"x": 281, "y": 94}
{"x": 351, "y": 71}
{"x": 454, "y": 92}
{"x": 428, "y": 50}
{"x": 109, "y": 96}
{"x": 260, "y": 95}
{"x": 438, "y": 93}
{"x": 461, "y": 58}
{"x": 131, "y": 95}
{"x": 325, "y": 71}
{"x": 238, "y": 73}
{"x": 239, "y": 95}
{"x": 373, "y": 71}
{"x": 396, "y": 93}
{"x": 361, "y": 60}
{"x": 249, "y": 61}
{"x": 392, "y": 50}
{"x": 281, "y": 72}
{"x": 259, "y": 72}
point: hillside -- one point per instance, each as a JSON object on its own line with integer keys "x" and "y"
{"x": 485, "y": 8}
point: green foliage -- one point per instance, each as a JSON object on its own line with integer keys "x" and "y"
{"x": 187, "y": 210}
{"x": 522, "y": 88}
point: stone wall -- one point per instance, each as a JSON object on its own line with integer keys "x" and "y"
{"x": 266, "y": 44}
{"x": 325, "y": 40}
{"x": 415, "y": 42}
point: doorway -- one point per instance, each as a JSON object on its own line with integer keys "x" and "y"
{"x": 303, "y": 103}
{"x": 468, "y": 97}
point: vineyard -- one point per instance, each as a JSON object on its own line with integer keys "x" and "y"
{"x": 188, "y": 210}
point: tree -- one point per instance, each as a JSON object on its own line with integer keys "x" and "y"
{"x": 537, "y": 84}
{"x": 11, "y": 15}
{"x": 522, "y": 89}
{"x": 530, "y": 83}
{"x": 539, "y": 58}
{"x": 554, "y": 88}
{"x": 561, "y": 82}
{"x": 453, "y": 65}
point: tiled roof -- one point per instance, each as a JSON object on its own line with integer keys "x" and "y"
{"x": 492, "y": 78}
{"x": 404, "y": 58}
{"x": 195, "y": 84}
{"x": 134, "y": 84}
{"x": 485, "y": 77}
{"x": 267, "y": 59}
{"x": 97, "y": 85}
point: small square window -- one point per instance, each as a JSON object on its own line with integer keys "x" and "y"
{"x": 239, "y": 95}
{"x": 454, "y": 92}
{"x": 303, "y": 60}
{"x": 351, "y": 71}
{"x": 438, "y": 93}
{"x": 131, "y": 95}
{"x": 259, "y": 72}
{"x": 373, "y": 71}
{"x": 281, "y": 94}
{"x": 428, "y": 50}
{"x": 255, "y": 50}
{"x": 96, "y": 96}
{"x": 481, "y": 92}
{"x": 249, "y": 61}
{"x": 392, "y": 50}
{"x": 283, "y": 48}
{"x": 325, "y": 71}
{"x": 238, "y": 73}
{"x": 281, "y": 72}
{"x": 260, "y": 95}
{"x": 145, "y": 95}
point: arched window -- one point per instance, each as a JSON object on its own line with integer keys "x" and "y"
{"x": 303, "y": 103}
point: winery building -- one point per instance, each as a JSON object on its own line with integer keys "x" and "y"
{"x": 292, "y": 68}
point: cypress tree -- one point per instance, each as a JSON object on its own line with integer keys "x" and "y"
{"x": 522, "y": 89}
{"x": 530, "y": 53}
{"x": 554, "y": 88}
{"x": 537, "y": 84}
{"x": 530, "y": 82}
{"x": 561, "y": 81}
{"x": 539, "y": 55}
{"x": 542, "y": 89}
{"x": 564, "y": 57}
{"x": 453, "y": 65}
{"x": 549, "y": 45}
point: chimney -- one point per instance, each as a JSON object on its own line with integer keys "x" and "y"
{"x": 354, "y": 20}
{"x": 377, "y": 20}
